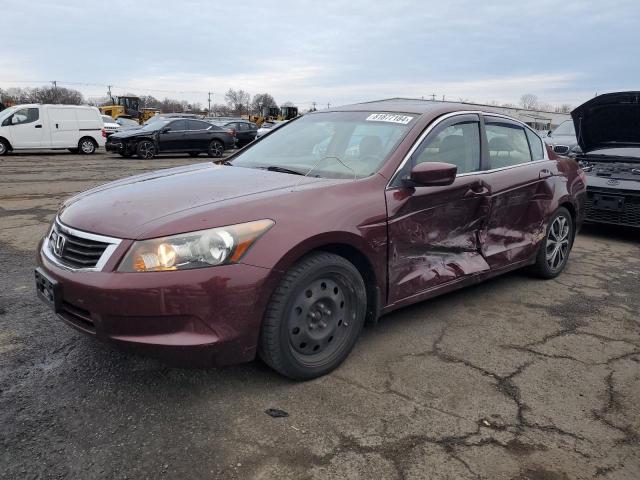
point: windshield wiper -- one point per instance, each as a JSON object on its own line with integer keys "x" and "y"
{"x": 276, "y": 168}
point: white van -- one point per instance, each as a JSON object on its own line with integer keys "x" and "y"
{"x": 76, "y": 128}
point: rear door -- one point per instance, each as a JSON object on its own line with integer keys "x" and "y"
{"x": 64, "y": 126}
{"x": 434, "y": 231}
{"x": 519, "y": 176}
{"x": 197, "y": 136}
{"x": 172, "y": 137}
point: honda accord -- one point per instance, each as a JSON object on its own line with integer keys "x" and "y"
{"x": 288, "y": 248}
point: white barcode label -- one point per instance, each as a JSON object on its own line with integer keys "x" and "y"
{"x": 389, "y": 117}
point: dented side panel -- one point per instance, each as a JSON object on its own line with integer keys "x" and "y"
{"x": 434, "y": 236}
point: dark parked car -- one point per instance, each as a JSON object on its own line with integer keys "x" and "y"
{"x": 244, "y": 131}
{"x": 288, "y": 248}
{"x": 563, "y": 139}
{"x": 171, "y": 136}
{"x": 609, "y": 135}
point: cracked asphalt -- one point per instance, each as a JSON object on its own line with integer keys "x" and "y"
{"x": 516, "y": 378}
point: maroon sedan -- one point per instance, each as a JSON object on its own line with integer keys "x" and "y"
{"x": 332, "y": 220}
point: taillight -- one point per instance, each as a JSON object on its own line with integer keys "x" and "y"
{"x": 104, "y": 133}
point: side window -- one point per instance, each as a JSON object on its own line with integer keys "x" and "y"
{"x": 458, "y": 144}
{"x": 537, "y": 150}
{"x": 178, "y": 125}
{"x": 25, "y": 115}
{"x": 243, "y": 126}
{"x": 508, "y": 144}
{"x": 196, "y": 125}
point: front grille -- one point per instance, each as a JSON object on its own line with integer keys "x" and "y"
{"x": 628, "y": 216}
{"x": 561, "y": 149}
{"x": 74, "y": 248}
{"x": 77, "y": 316}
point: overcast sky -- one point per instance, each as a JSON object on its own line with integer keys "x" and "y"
{"x": 325, "y": 51}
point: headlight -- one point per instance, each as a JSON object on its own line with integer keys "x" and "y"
{"x": 204, "y": 248}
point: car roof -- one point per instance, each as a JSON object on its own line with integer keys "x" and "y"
{"x": 411, "y": 105}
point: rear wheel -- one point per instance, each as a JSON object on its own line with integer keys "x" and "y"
{"x": 146, "y": 149}
{"x": 87, "y": 146}
{"x": 216, "y": 149}
{"x": 554, "y": 250}
{"x": 314, "y": 317}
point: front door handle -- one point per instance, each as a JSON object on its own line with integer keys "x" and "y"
{"x": 38, "y": 126}
{"x": 477, "y": 190}
{"x": 544, "y": 173}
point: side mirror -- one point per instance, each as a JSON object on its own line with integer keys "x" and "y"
{"x": 433, "y": 174}
{"x": 549, "y": 133}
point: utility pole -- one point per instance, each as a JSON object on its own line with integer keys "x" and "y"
{"x": 55, "y": 90}
{"x": 210, "y": 103}
{"x": 433, "y": 97}
{"x": 328, "y": 105}
{"x": 314, "y": 106}
{"x": 109, "y": 93}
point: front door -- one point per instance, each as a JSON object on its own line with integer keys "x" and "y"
{"x": 519, "y": 176}
{"x": 25, "y": 128}
{"x": 171, "y": 137}
{"x": 434, "y": 232}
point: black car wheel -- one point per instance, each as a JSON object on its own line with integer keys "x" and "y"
{"x": 146, "y": 149}
{"x": 216, "y": 149}
{"x": 87, "y": 146}
{"x": 314, "y": 317}
{"x": 554, "y": 249}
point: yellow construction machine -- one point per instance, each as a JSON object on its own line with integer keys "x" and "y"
{"x": 128, "y": 107}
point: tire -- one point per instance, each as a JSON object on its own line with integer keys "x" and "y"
{"x": 194, "y": 154}
{"x": 216, "y": 149}
{"x": 4, "y": 147}
{"x": 73, "y": 150}
{"x": 87, "y": 146}
{"x": 555, "y": 248}
{"x": 314, "y": 317}
{"x": 146, "y": 149}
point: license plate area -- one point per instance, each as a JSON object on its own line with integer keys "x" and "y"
{"x": 48, "y": 290}
{"x": 613, "y": 203}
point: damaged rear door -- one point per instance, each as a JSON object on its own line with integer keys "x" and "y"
{"x": 434, "y": 231}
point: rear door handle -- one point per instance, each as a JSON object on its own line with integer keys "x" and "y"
{"x": 544, "y": 173}
{"x": 38, "y": 126}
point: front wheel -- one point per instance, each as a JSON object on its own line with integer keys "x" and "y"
{"x": 216, "y": 149}
{"x": 314, "y": 317}
{"x": 554, "y": 250}
{"x": 146, "y": 149}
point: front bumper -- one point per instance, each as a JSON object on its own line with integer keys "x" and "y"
{"x": 201, "y": 317}
{"x": 613, "y": 206}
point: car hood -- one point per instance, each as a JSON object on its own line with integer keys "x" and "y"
{"x": 125, "y": 207}
{"x": 608, "y": 121}
{"x": 131, "y": 132}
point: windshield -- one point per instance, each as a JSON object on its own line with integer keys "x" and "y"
{"x": 157, "y": 125}
{"x": 7, "y": 111}
{"x": 332, "y": 144}
{"x": 565, "y": 128}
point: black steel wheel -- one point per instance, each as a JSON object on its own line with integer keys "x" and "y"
{"x": 314, "y": 317}
{"x": 146, "y": 149}
{"x": 216, "y": 149}
{"x": 556, "y": 246}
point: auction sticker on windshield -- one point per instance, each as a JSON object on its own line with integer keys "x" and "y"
{"x": 389, "y": 117}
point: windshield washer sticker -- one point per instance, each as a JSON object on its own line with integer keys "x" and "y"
{"x": 389, "y": 117}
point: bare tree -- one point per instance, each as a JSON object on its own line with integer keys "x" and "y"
{"x": 564, "y": 108}
{"x": 51, "y": 94}
{"x": 264, "y": 100}
{"x": 529, "y": 101}
{"x": 238, "y": 100}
